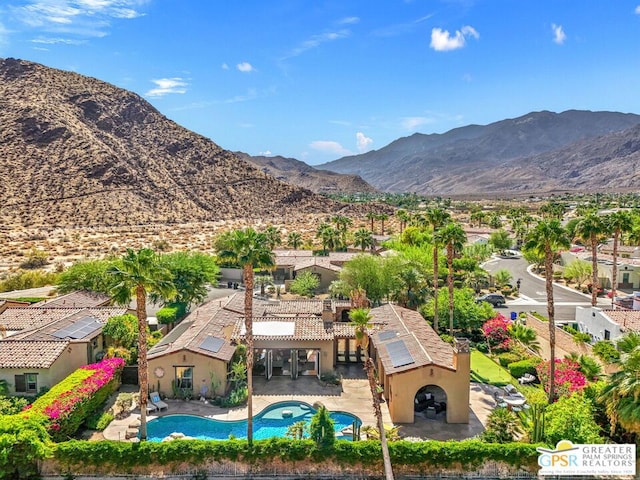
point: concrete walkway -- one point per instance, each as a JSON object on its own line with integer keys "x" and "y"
{"x": 352, "y": 396}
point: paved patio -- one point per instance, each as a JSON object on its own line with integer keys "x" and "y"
{"x": 352, "y": 396}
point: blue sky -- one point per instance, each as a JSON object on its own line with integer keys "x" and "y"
{"x": 317, "y": 80}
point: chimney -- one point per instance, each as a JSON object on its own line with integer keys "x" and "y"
{"x": 462, "y": 355}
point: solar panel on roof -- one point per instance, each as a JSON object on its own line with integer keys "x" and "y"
{"x": 79, "y": 329}
{"x": 212, "y": 344}
{"x": 387, "y": 335}
{"x": 399, "y": 354}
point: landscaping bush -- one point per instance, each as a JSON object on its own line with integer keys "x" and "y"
{"x": 518, "y": 369}
{"x": 568, "y": 379}
{"x": 508, "y": 358}
{"x": 99, "y": 421}
{"x": 171, "y": 313}
{"x": 68, "y": 404}
{"x": 23, "y": 442}
{"x": 606, "y": 351}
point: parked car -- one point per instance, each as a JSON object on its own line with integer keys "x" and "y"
{"x": 494, "y": 299}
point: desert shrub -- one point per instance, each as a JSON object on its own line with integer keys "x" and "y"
{"x": 519, "y": 368}
{"x": 28, "y": 279}
{"x": 507, "y": 358}
{"x": 321, "y": 428}
{"x": 171, "y": 313}
{"x": 571, "y": 417}
{"x": 99, "y": 421}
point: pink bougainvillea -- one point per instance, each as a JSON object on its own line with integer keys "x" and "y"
{"x": 495, "y": 330}
{"x": 568, "y": 377}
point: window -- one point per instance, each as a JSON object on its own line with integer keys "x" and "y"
{"x": 27, "y": 383}
{"x": 607, "y": 335}
{"x": 184, "y": 377}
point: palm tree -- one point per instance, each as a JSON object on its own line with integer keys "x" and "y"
{"x": 436, "y": 217}
{"x": 372, "y": 216}
{"x": 361, "y": 321}
{"x": 294, "y": 240}
{"x": 525, "y": 336}
{"x": 453, "y": 237}
{"x": 329, "y": 236}
{"x": 383, "y": 217}
{"x": 590, "y": 228}
{"x": 546, "y": 238}
{"x": 621, "y": 395}
{"x": 342, "y": 224}
{"x": 363, "y": 238}
{"x": 273, "y": 236}
{"x": 138, "y": 274}
{"x": 403, "y": 218}
{"x": 619, "y": 222}
{"x": 250, "y": 250}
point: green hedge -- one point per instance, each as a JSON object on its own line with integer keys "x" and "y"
{"x": 465, "y": 454}
{"x": 171, "y": 313}
{"x": 518, "y": 369}
{"x": 507, "y": 358}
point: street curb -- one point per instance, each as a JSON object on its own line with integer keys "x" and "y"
{"x": 568, "y": 289}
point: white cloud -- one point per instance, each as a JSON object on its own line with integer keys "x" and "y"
{"x": 442, "y": 40}
{"x": 329, "y": 146}
{"x": 224, "y": 66}
{"x": 266, "y": 153}
{"x": 558, "y": 34}
{"x": 638, "y": 10}
{"x": 245, "y": 67}
{"x": 363, "y": 142}
{"x": 54, "y": 41}
{"x": 167, "y": 85}
{"x": 250, "y": 95}
{"x": 316, "y": 40}
{"x": 85, "y": 18}
{"x": 349, "y": 20}
{"x": 412, "y": 123}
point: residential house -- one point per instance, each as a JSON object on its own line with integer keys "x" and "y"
{"x": 310, "y": 338}
{"x": 604, "y": 324}
{"x": 44, "y": 345}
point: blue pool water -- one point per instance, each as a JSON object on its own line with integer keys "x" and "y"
{"x": 266, "y": 424}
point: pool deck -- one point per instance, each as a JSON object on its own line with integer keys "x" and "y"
{"x": 352, "y": 396}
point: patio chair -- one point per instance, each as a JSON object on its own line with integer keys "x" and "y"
{"x": 155, "y": 400}
{"x": 526, "y": 378}
{"x": 512, "y": 391}
{"x": 151, "y": 407}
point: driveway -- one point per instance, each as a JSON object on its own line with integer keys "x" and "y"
{"x": 533, "y": 296}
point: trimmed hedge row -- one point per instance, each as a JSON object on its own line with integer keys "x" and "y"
{"x": 171, "y": 313}
{"x": 518, "y": 369}
{"x": 69, "y": 403}
{"x": 452, "y": 454}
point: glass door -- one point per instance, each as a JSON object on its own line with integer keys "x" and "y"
{"x": 269, "y": 369}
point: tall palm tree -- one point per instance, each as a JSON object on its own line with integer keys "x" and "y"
{"x": 372, "y": 216}
{"x": 136, "y": 275}
{"x": 436, "y": 217}
{"x": 403, "y": 218}
{"x": 546, "y": 238}
{"x": 383, "y": 217}
{"x": 621, "y": 395}
{"x": 273, "y": 236}
{"x": 250, "y": 250}
{"x": 590, "y": 228}
{"x": 363, "y": 238}
{"x": 342, "y": 224}
{"x": 619, "y": 222}
{"x": 453, "y": 237}
{"x": 525, "y": 336}
{"x": 361, "y": 321}
{"x": 294, "y": 240}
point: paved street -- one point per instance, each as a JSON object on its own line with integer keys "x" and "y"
{"x": 533, "y": 297}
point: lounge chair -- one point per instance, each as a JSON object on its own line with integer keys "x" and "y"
{"x": 155, "y": 400}
{"x": 526, "y": 378}
{"x": 151, "y": 407}
{"x": 512, "y": 391}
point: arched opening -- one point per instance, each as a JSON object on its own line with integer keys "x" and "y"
{"x": 430, "y": 402}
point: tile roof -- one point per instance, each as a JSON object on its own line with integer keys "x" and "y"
{"x": 43, "y": 322}
{"x": 422, "y": 342}
{"x": 627, "y": 319}
{"x": 298, "y": 307}
{"x": 79, "y": 299}
{"x": 306, "y": 328}
{"x": 213, "y": 319}
{"x": 321, "y": 262}
{"x": 29, "y": 354}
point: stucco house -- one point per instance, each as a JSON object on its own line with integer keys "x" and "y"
{"x": 44, "y": 345}
{"x": 604, "y": 324}
{"x": 310, "y": 338}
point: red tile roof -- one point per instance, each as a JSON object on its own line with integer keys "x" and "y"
{"x": 79, "y": 299}
{"x": 305, "y": 328}
{"x": 29, "y": 354}
{"x": 627, "y": 319}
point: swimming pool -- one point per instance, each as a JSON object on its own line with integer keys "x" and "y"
{"x": 269, "y": 423}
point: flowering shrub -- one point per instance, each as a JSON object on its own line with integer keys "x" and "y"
{"x": 569, "y": 378}
{"x": 495, "y": 329}
{"x": 70, "y": 402}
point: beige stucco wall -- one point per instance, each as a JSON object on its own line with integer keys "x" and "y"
{"x": 202, "y": 365}
{"x": 325, "y": 347}
{"x": 72, "y": 358}
{"x": 401, "y": 389}
{"x": 326, "y": 276}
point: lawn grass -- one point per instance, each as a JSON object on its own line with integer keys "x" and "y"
{"x": 485, "y": 370}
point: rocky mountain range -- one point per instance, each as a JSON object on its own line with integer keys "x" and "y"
{"x": 537, "y": 153}
{"x": 299, "y": 173}
{"x": 79, "y": 151}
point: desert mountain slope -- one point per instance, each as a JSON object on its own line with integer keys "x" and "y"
{"x": 299, "y": 173}
{"x": 447, "y": 163}
{"x": 78, "y": 151}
